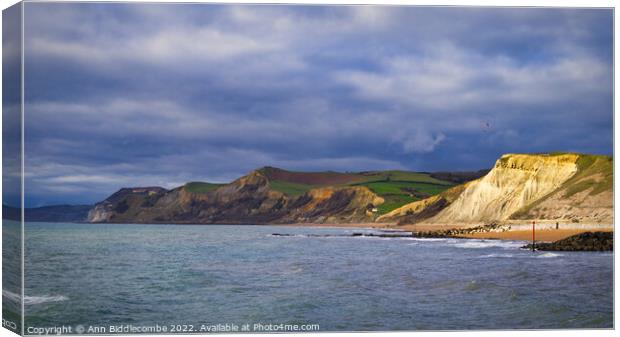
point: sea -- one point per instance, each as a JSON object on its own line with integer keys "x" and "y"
{"x": 206, "y": 278}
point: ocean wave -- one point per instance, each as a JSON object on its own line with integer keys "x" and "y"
{"x": 490, "y": 256}
{"x": 477, "y": 244}
{"x": 429, "y": 239}
{"x": 365, "y": 231}
{"x": 521, "y": 255}
{"x": 473, "y": 285}
{"x": 356, "y": 236}
{"x": 11, "y": 296}
{"x": 548, "y": 255}
{"x": 28, "y": 300}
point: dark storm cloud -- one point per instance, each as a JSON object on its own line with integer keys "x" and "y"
{"x": 11, "y": 99}
{"x": 160, "y": 94}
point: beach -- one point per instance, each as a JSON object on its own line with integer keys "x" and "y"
{"x": 543, "y": 233}
{"x": 547, "y": 235}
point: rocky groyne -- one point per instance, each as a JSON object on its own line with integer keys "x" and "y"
{"x": 588, "y": 241}
{"x": 460, "y": 232}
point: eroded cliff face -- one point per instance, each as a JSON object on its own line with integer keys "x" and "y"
{"x": 515, "y": 181}
{"x": 520, "y": 187}
{"x": 567, "y": 187}
{"x": 126, "y": 201}
{"x": 334, "y": 205}
{"x": 587, "y": 197}
{"x": 249, "y": 199}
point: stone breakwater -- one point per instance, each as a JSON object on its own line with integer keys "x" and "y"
{"x": 588, "y": 241}
{"x": 458, "y": 232}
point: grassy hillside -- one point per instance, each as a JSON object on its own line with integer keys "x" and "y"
{"x": 397, "y": 188}
{"x": 409, "y": 176}
{"x": 401, "y": 192}
{"x": 425, "y": 208}
{"x": 289, "y": 188}
{"x": 594, "y": 172}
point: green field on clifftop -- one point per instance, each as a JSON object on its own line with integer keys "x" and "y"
{"x": 288, "y": 188}
{"x": 398, "y": 193}
{"x": 397, "y": 188}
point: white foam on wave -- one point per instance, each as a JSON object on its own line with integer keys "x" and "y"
{"x": 365, "y": 231}
{"x": 520, "y": 255}
{"x": 44, "y": 299}
{"x": 490, "y": 256}
{"x": 548, "y": 255}
{"x": 33, "y": 299}
{"x": 366, "y": 237}
{"x": 477, "y": 244}
{"x": 11, "y": 296}
{"x": 429, "y": 239}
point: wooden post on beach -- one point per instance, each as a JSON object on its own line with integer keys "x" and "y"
{"x": 533, "y": 235}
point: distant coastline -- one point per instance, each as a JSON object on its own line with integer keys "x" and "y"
{"x": 564, "y": 193}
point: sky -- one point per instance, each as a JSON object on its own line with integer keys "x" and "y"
{"x": 139, "y": 94}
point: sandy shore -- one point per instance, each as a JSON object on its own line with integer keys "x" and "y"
{"x": 547, "y": 235}
{"x": 541, "y": 235}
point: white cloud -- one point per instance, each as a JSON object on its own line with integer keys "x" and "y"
{"x": 167, "y": 48}
{"x": 418, "y": 140}
{"x": 453, "y": 78}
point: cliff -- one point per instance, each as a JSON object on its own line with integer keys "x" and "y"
{"x": 587, "y": 197}
{"x": 425, "y": 209}
{"x": 249, "y": 199}
{"x": 565, "y": 187}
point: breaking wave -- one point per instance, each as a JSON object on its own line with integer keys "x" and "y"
{"x": 476, "y": 244}
{"x": 547, "y": 255}
{"x": 490, "y": 256}
{"x": 521, "y": 255}
{"x": 28, "y": 300}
